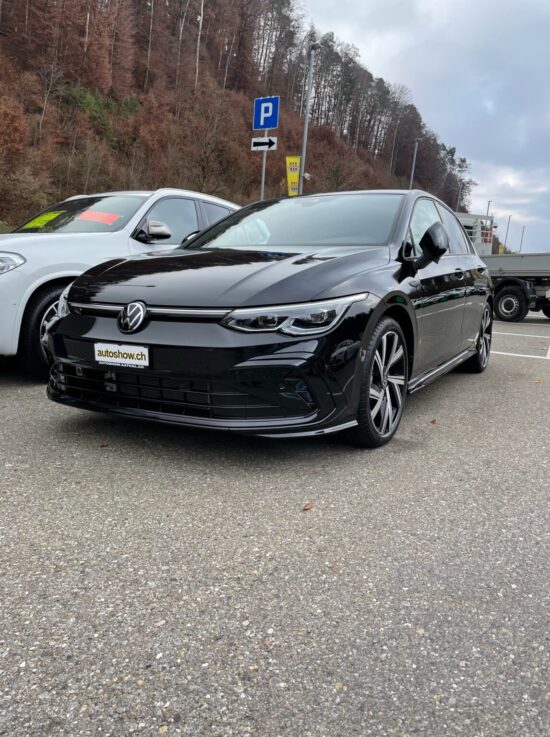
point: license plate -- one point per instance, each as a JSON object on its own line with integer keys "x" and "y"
{"x": 115, "y": 354}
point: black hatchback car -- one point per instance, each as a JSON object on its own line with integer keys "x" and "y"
{"x": 292, "y": 317}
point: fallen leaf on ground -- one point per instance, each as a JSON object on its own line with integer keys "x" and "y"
{"x": 307, "y": 507}
{"x": 104, "y": 445}
{"x": 434, "y": 421}
{"x": 539, "y": 381}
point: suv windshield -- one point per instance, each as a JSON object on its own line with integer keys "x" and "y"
{"x": 101, "y": 214}
{"x": 304, "y": 224}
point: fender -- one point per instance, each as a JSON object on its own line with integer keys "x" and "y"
{"x": 70, "y": 273}
{"x": 511, "y": 281}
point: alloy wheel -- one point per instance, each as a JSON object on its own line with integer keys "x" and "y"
{"x": 387, "y": 383}
{"x": 47, "y": 317}
{"x": 485, "y": 336}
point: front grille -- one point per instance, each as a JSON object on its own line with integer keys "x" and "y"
{"x": 217, "y": 400}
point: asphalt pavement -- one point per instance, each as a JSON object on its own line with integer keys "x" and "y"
{"x": 162, "y": 581}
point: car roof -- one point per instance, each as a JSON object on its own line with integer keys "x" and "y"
{"x": 406, "y": 192}
{"x": 166, "y": 191}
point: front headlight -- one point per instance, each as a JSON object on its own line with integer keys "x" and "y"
{"x": 10, "y": 261}
{"x": 63, "y": 304}
{"x": 301, "y": 319}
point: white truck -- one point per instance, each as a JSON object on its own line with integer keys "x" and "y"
{"x": 521, "y": 281}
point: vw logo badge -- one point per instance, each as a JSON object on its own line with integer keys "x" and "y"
{"x": 131, "y": 317}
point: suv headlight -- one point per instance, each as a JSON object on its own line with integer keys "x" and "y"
{"x": 63, "y": 304}
{"x": 10, "y": 261}
{"x": 300, "y": 319}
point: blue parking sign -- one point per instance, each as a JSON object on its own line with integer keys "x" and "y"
{"x": 266, "y": 113}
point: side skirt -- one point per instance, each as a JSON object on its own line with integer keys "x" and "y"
{"x": 424, "y": 379}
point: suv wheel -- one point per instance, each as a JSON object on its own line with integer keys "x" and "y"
{"x": 511, "y": 304}
{"x": 40, "y": 311}
{"x": 383, "y": 387}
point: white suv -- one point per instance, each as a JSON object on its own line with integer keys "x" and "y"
{"x": 46, "y": 253}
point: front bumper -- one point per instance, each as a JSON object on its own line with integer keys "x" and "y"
{"x": 205, "y": 375}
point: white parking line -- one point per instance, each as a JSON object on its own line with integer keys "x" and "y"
{"x": 522, "y": 335}
{"x": 521, "y": 355}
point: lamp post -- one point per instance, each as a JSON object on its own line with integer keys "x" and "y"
{"x": 507, "y": 229}
{"x": 521, "y": 241}
{"x": 393, "y": 149}
{"x": 414, "y": 162}
{"x": 458, "y": 195}
{"x": 489, "y": 205}
{"x": 312, "y": 49}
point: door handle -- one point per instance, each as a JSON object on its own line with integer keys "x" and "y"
{"x": 459, "y": 274}
{"x": 414, "y": 283}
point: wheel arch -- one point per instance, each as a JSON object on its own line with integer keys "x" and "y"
{"x": 33, "y": 293}
{"x": 400, "y": 314}
{"x": 511, "y": 281}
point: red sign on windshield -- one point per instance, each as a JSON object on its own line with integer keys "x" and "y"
{"x": 107, "y": 218}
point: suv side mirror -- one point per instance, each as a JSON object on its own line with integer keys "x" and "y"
{"x": 157, "y": 230}
{"x": 434, "y": 243}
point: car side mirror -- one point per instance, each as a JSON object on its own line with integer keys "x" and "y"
{"x": 434, "y": 243}
{"x": 157, "y": 230}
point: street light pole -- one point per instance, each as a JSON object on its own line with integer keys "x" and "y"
{"x": 507, "y": 229}
{"x": 521, "y": 241}
{"x": 414, "y": 163}
{"x": 393, "y": 149}
{"x": 488, "y": 206}
{"x": 312, "y": 49}
{"x": 458, "y": 195}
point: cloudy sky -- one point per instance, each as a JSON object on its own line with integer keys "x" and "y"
{"x": 479, "y": 72}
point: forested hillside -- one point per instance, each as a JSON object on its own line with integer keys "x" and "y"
{"x": 117, "y": 94}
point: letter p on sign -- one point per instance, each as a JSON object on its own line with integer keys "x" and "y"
{"x": 266, "y": 113}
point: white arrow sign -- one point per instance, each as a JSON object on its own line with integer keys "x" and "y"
{"x": 268, "y": 143}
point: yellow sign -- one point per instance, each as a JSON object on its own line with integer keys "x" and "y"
{"x": 293, "y": 175}
{"x": 40, "y": 220}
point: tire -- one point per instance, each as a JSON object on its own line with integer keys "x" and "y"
{"x": 382, "y": 398}
{"x": 480, "y": 360}
{"x": 546, "y": 311}
{"x": 511, "y": 304}
{"x": 39, "y": 311}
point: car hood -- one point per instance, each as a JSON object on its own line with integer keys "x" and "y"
{"x": 226, "y": 277}
{"x": 24, "y": 243}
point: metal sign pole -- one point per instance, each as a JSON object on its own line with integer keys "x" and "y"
{"x": 264, "y": 162}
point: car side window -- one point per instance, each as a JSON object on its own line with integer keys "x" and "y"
{"x": 457, "y": 240}
{"x": 214, "y": 213}
{"x": 179, "y": 214}
{"x": 424, "y": 215}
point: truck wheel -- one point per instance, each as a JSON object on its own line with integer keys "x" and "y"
{"x": 40, "y": 310}
{"x": 546, "y": 311}
{"x": 511, "y": 304}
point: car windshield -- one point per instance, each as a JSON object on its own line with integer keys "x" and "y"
{"x": 306, "y": 223}
{"x": 98, "y": 214}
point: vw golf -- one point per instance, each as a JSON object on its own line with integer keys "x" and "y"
{"x": 292, "y": 317}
